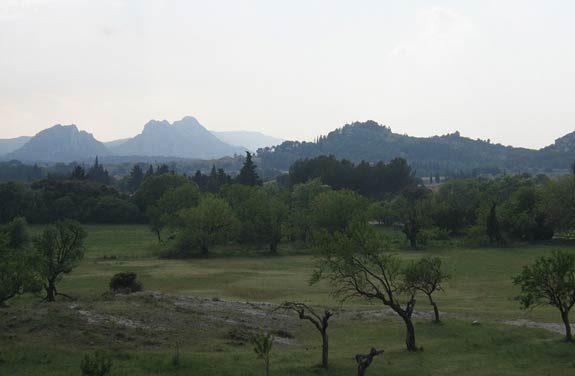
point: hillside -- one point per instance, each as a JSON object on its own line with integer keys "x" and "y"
{"x": 60, "y": 143}
{"x": 185, "y": 138}
{"x": 247, "y": 139}
{"x": 8, "y": 145}
{"x": 372, "y": 142}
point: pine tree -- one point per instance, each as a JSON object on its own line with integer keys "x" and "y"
{"x": 135, "y": 179}
{"x": 98, "y": 174}
{"x": 248, "y": 174}
{"x": 78, "y": 173}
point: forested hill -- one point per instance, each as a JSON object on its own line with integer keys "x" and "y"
{"x": 452, "y": 153}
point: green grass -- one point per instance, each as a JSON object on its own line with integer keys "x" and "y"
{"x": 51, "y": 340}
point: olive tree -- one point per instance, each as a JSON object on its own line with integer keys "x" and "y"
{"x": 320, "y": 321}
{"x": 550, "y": 280}
{"x": 426, "y": 276}
{"x": 355, "y": 264}
{"x": 60, "y": 247}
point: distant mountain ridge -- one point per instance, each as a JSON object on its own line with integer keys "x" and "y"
{"x": 372, "y": 142}
{"x": 248, "y": 139}
{"x": 60, "y": 143}
{"x": 8, "y": 145}
{"x": 185, "y": 138}
{"x": 368, "y": 141}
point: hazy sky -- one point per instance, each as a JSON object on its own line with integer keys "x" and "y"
{"x": 503, "y": 70}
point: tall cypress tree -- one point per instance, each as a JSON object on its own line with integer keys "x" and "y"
{"x": 248, "y": 174}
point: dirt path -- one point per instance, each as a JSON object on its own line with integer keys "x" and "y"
{"x": 251, "y": 315}
{"x": 552, "y": 327}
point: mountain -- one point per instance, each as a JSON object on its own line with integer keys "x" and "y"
{"x": 185, "y": 138}
{"x": 114, "y": 143}
{"x": 560, "y": 153}
{"x": 8, "y": 145}
{"x": 452, "y": 153}
{"x": 249, "y": 140}
{"x": 60, "y": 143}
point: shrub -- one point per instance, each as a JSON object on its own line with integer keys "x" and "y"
{"x": 125, "y": 283}
{"x": 97, "y": 364}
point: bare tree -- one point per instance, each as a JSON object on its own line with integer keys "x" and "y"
{"x": 364, "y": 361}
{"x": 355, "y": 264}
{"x": 306, "y": 312}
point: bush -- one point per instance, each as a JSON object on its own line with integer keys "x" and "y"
{"x": 125, "y": 283}
{"x": 96, "y": 364}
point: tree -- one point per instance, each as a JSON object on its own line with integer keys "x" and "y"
{"x": 135, "y": 179}
{"x": 381, "y": 212}
{"x": 355, "y": 264}
{"x": 364, "y": 360}
{"x": 550, "y": 280}
{"x": 160, "y": 213}
{"x": 17, "y": 233}
{"x": 211, "y": 222}
{"x": 17, "y": 271}
{"x": 559, "y": 198}
{"x": 426, "y": 276}
{"x": 525, "y": 216}
{"x": 154, "y": 187}
{"x": 573, "y": 168}
{"x": 261, "y": 211}
{"x": 334, "y": 210}
{"x": 263, "y": 344}
{"x": 306, "y": 312}
{"x": 414, "y": 215}
{"x": 98, "y": 174}
{"x": 78, "y": 173}
{"x": 16, "y": 201}
{"x": 248, "y": 174}
{"x": 492, "y": 226}
{"x": 300, "y": 217}
{"x": 60, "y": 247}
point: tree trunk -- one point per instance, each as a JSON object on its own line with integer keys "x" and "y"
{"x": 413, "y": 241}
{"x": 50, "y": 291}
{"x": 274, "y": 247}
{"x": 364, "y": 361}
{"x": 435, "y": 310}
{"x": 324, "y": 349}
{"x": 410, "y": 333}
{"x": 565, "y": 317}
{"x": 361, "y": 368}
{"x": 204, "y": 249}
{"x": 267, "y": 361}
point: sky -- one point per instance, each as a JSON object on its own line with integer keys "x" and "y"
{"x": 502, "y": 70}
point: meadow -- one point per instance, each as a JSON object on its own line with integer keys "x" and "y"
{"x": 197, "y": 308}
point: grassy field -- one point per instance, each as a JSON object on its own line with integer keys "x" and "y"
{"x": 142, "y": 330}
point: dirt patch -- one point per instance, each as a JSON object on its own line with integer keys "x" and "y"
{"x": 551, "y": 327}
{"x": 94, "y": 318}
